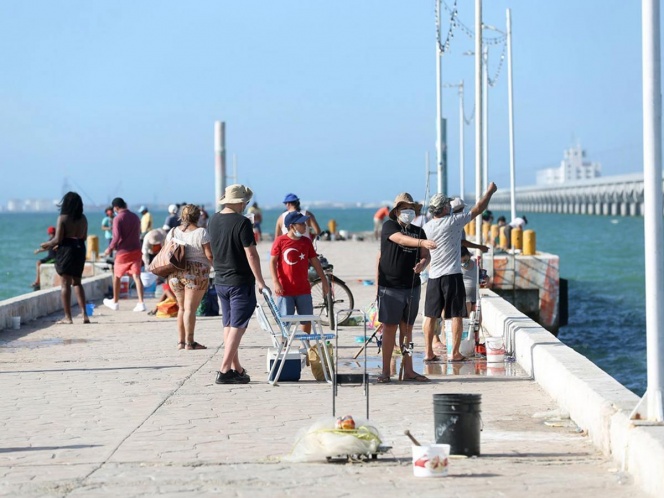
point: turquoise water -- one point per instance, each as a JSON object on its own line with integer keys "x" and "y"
{"x": 602, "y": 257}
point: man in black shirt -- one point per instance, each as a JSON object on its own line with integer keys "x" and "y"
{"x": 404, "y": 253}
{"x": 237, "y": 269}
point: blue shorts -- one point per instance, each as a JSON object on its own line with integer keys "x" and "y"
{"x": 289, "y": 304}
{"x": 238, "y": 303}
{"x": 398, "y": 305}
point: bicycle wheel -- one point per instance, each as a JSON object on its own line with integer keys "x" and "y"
{"x": 320, "y": 302}
{"x": 325, "y": 306}
{"x": 342, "y": 299}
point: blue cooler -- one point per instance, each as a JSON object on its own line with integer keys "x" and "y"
{"x": 292, "y": 368}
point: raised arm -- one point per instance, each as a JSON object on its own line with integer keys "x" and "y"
{"x": 483, "y": 203}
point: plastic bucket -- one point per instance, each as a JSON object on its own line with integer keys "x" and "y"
{"x": 90, "y": 309}
{"x": 431, "y": 460}
{"x": 467, "y": 347}
{"x": 148, "y": 278}
{"x": 458, "y": 422}
{"x": 16, "y": 322}
{"x": 495, "y": 350}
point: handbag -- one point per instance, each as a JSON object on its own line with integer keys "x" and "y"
{"x": 171, "y": 257}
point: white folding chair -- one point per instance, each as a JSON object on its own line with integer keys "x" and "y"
{"x": 289, "y": 332}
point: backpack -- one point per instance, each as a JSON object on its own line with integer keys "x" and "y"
{"x": 209, "y": 305}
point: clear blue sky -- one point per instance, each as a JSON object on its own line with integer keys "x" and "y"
{"x": 330, "y": 100}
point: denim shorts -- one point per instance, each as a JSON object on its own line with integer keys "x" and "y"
{"x": 289, "y": 304}
{"x": 238, "y": 303}
{"x": 398, "y": 305}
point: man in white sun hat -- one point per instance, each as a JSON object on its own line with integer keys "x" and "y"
{"x": 237, "y": 269}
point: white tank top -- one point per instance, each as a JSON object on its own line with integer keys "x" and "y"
{"x": 284, "y": 228}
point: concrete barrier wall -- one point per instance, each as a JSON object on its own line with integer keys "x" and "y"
{"x": 44, "y": 302}
{"x": 596, "y": 402}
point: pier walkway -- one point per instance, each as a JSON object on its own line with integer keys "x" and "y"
{"x": 114, "y": 409}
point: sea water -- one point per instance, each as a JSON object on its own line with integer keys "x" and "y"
{"x": 601, "y": 256}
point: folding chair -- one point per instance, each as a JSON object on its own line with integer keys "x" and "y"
{"x": 290, "y": 333}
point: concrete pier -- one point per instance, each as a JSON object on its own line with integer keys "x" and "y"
{"x": 114, "y": 409}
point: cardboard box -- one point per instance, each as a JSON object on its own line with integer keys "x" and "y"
{"x": 292, "y": 367}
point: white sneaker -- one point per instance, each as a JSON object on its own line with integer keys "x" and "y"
{"x": 140, "y": 307}
{"x": 109, "y": 303}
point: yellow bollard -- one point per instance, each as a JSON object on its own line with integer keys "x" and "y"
{"x": 517, "y": 238}
{"x": 93, "y": 248}
{"x": 470, "y": 228}
{"x": 529, "y": 243}
{"x": 495, "y": 232}
{"x": 502, "y": 238}
{"x": 486, "y": 228}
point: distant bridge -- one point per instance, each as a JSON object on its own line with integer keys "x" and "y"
{"x": 620, "y": 195}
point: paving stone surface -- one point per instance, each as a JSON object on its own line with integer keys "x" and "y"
{"x": 114, "y": 409}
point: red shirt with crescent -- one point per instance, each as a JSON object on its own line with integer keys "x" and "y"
{"x": 293, "y": 257}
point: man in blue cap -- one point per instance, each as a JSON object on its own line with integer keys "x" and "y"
{"x": 292, "y": 203}
{"x": 289, "y": 264}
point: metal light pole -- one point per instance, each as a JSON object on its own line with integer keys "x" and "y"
{"x": 485, "y": 117}
{"x": 652, "y": 216}
{"x": 462, "y": 159}
{"x": 479, "y": 121}
{"x": 510, "y": 93}
{"x": 440, "y": 164}
{"x": 219, "y": 160}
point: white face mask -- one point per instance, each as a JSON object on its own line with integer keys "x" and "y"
{"x": 406, "y": 216}
{"x": 297, "y": 234}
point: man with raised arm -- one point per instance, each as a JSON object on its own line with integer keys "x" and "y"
{"x": 445, "y": 289}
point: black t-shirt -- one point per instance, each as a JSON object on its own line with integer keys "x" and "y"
{"x": 395, "y": 268}
{"x": 229, "y": 234}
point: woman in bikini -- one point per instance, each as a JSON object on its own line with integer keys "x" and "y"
{"x": 71, "y": 232}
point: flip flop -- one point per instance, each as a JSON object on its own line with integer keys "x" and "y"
{"x": 463, "y": 358}
{"x": 435, "y": 359}
{"x": 383, "y": 379}
{"x": 417, "y": 378}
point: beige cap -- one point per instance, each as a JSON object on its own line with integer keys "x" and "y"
{"x": 235, "y": 194}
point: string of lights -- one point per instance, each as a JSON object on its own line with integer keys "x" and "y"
{"x": 444, "y": 47}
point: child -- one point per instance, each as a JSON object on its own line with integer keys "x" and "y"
{"x": 49, "y": 258}
{"x": 291, "y": 254}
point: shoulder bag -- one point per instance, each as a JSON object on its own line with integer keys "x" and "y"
{"x": 171, "y": 257}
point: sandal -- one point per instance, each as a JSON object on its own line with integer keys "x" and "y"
{"x": 383, "y": 379}
{"x": 434, "y": 359}
{"x": 194, "y": 345}
{"x": 181, "y": 345}
{"x": 417, "y": 378}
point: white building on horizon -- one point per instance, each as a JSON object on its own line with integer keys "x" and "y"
{"x": 573, "y": 167}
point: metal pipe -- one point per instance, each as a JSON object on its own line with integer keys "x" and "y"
{"x": 479, "y": 121}
{"x": 219, "y": 161}
{"x": 652, "y": 217}
{"x": 439, "y": 112}
{"x": 462, "y": 158}
{"x": 510, "y": 94}
{"x": 485, "y": 113}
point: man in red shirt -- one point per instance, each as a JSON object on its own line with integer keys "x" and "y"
{"x": 126, "y": 242}
{"x": 379, "y": 219}
{"x": 289, "y": 265}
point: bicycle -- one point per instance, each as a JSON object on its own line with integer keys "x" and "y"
{"x": 340, "y": 296}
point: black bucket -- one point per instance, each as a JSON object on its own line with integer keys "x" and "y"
{"x": 458, "y": 422}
